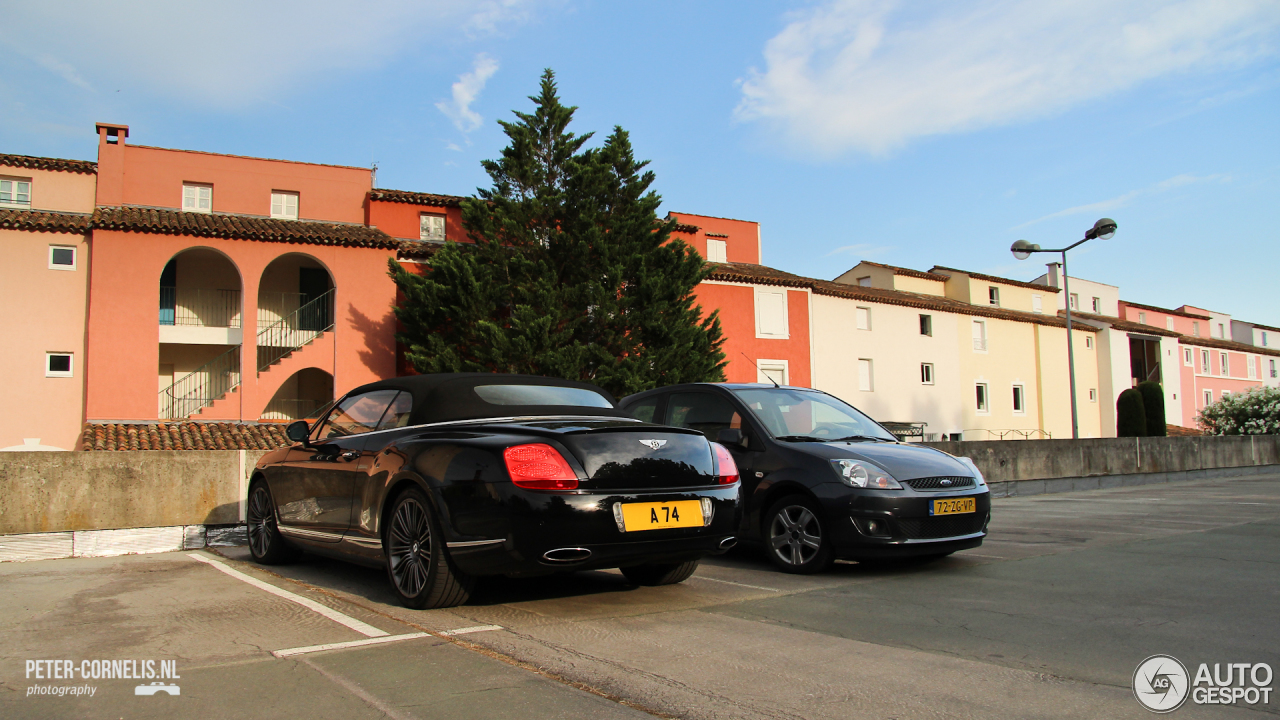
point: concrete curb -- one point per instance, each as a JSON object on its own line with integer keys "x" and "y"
{"x": 126, "y": 541}
{"x": 1023, "y": 488}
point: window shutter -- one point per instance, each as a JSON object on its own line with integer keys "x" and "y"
{"x": 864, "y": 375}
{"x": 771, "y": 308}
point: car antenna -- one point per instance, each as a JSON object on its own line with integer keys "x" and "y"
{"x": 753, "y": 362}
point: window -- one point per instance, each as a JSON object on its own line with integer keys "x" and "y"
{"x": 771, "y": 313}
{"x": 926, "y": 373}
{"x": 1187, "y": 357}
{"x": 1093, "y": 395}
{"x": 1264, "y": 338}
{"x": 1168, "y": 323}
{"x": 993, "y": 295}
{"x": 864, "y": 375}
{"x": 864, "y": 281}
{"x": 1097, "y": 306}
{"x": 431, "y": 228}
{"x": 1195, "y": 329}
{"x": 284, "y": 205}
{"x": 980, "y": 335}
{"x": 1204, "y": 362}
{"x": 1224, "y": 365}
{"x": 1088, "y": 342}
{"x": 717, "y": 251}
{"x": 702, "y": 411}
{"x": 926, "y": 325}
{"x": 397, "y": 416}
{"x": 57, "y": 364}
{"x": 864, "y": 318}
{"x": 982, "y": 398}
{"x": 1222, "y": 331}
{"x": 645, "y": 409}
{"x": 1142, "y": 318}
{"x": 1075, "y": 301}
{"x": 771, "y": 371}
{"x": 1037, "y": 304}
{"x": 15, "y": 192}
{"x": 1273, "y": 367}
{"x": 62, "y": 257}
{"x": 1208, "y": 397}
{"x": 1253, "y": 368}
{"x": 197, "y": 198}
{"x": 1018, "y": 407}
{"x": 357, "y": 414}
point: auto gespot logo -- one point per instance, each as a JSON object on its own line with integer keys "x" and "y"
{"x": 1162, "y": 684}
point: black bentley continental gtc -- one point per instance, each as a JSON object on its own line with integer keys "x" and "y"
{"x": 445, "y": 478}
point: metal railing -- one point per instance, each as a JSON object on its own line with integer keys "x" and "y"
{"x": 199, "y": 307}
{"x": 1013, "y": 434}
{"x": 199, "y": 388}
{"x": 295, "y": 330}
{"x": 274, "y": 306}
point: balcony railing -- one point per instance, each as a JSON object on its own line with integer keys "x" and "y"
{"x": 980, "y": 344}
{"x": 295, "y": 330}
{"x": 199, "y": 307}
{"x": 199, "y": 388}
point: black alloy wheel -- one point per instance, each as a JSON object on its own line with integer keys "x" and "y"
{"x": 418, "y": 565}
{"x": 266, "y": 544}
{"x": 795, "y": 538}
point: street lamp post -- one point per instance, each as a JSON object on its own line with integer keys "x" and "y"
{"x": 1104, "y": 229}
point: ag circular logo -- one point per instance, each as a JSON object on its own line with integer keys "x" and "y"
{"x": 1161, "y": 683}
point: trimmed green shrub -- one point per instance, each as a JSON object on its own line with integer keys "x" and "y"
{"x": 1153, "y": 403}
{"x": 1255, "y": 411}
{"x": 1131, "y": 415}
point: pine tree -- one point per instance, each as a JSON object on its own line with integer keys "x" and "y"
{"x": 571, "y": 273}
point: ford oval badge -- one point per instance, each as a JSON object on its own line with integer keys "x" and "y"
{"x": 946, "y": 482}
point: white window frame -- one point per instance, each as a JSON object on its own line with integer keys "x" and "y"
{"x": 1037, "y": 304}
{"x": 1088, "y": 342}
{"x": 1188, "y": 357}
{"x": 762, "y": 366}
{"x": 1093, "y": 394}
{"x": 1206, "y": 363}
{"x": 864, "y": 281}
{"x": 1195, "y": 328}
{"x": 1264, "y": 338}
{"x": 75, "y": 257}
{"x": 980, "y": 343}
{"x": 926, "y": 323}
{"x": 993, "y": 296}
{"x": 717, "y": 251}
{"x": 1273, "y": 367}
{"x": 280, "y": 199}
{"x": 1074, "y": 300}
{"x": 71, "y": 364}
{"x": 1222, "y": 331}
{"x": 437, "y": 220}
{"x": 786, "y": 326}
{"x": 1250, "y": 361}
{"x": 983, "y": 407}
{"x": 16, "y": 191}
{"x": 1208, "y": 397}
{"x": 862, "y": 317}
{"x": 1097, "y": 306}
{"x": 192, "y": 192}
{"x": 1142, "y": 318}
{"x": 1019, "y": 398}
{"x": 926, "y": 374}
{"x": 1168, "y": 323}
{"x": 1224, "y": 364}
{"x": 867, "y": 381}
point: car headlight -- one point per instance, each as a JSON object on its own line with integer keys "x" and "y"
{"x": 977, "y": 474}
{"x": 862, "y": 474}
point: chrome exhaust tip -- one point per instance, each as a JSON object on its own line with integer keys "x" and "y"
{"x": 728, "y": 542}
{"x": 566, "y": 555}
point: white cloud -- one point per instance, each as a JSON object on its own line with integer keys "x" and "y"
{"x": 870, "y": 75}
{"x": 465, "y": 92}
{"x": 235, "y": 52}
{"x": 1120, "y": 201}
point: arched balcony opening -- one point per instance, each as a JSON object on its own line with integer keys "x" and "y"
{"x": 200, "y": 335}
{"x": 303, "y": 395}
{"x": 295, "y": 306}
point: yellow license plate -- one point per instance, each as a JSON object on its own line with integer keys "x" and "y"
{"x": 954, "y": 506}
{"x": 659, "y": 516}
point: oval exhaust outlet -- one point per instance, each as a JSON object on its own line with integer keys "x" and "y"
{"x": 566, "y": 555}
{"x": 728, "y": 542}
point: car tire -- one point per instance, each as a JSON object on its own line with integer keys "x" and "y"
{"x": 660, "y": 574}
{"x": 795, "y": 536}
{"x": 421, "y": 572}
{"x": 266, "y": 544}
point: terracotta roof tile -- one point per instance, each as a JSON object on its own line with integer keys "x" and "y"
{"x": 683, "y": 228}
{"x": 1226, "y": 345}
{"x": 236, "y": 227}
{"x": 1179, "y": 431}
{"x": 907, "y": 272}
{"x": 756, "y": 274}
{"x": 1118, "y": 324}
{"x": 1155, "y": 308}
{"x": 994, "y": 279}
{"x": 42, "y": 221}
{"x": 43, "y": 163}
{"x": 416, "y": 198}
{"x": 183, "y": 436}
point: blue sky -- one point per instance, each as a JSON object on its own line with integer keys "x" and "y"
{"x": 913, "y": 133}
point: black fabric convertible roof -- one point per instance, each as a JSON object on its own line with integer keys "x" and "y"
{"x": 446, "y": 397}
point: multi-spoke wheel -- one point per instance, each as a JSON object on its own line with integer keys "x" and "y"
{"x": 265, "y": 542}
{"x": 418, "y": 564}
{"x": 795, "y": 537}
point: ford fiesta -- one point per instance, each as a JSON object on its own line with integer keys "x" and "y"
{"x": 446, "y": 478}
{"x": 821, "y": 480}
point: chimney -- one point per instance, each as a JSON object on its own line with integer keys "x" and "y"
{"x": 1055, "y": 274}
{"x": 111, "y": 143}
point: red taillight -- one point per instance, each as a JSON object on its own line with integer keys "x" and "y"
{"x": 538, "y": 466}
{"x": 726, "y": 468}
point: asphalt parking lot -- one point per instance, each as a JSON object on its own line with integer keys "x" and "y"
{"x": 1048, "y": 619}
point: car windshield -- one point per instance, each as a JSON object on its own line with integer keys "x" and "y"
{"x": 802, "y": 415}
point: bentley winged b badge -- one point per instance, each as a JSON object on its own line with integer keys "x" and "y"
{"x": 653, "y": 444}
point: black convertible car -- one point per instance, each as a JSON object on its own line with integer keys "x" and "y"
{"x": 821, "y": 480}
{"x": 444, "y": 478}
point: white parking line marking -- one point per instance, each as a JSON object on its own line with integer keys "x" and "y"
{"x": 997, "y": 557}
{"x": 351, "y": 644}
{"x": 467, "y": 630}
{"x": 727, "y": 582}
{"x": 334, "y": 615}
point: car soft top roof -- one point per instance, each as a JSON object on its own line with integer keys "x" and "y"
{"x": 445, "y": 397}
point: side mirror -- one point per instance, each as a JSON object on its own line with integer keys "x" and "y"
{"x": 297, "y": 431}
{"x": 730, "y": 437}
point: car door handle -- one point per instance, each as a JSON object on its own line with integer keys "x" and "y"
{"x": 350, "y": 454}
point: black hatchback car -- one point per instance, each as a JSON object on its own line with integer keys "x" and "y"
{"x": 445, "y": 478}
{"x": 821, "y": 480}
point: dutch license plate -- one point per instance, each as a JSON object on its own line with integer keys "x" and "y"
{"x": 659, "y": 516}
{"x": 954, "y": 506}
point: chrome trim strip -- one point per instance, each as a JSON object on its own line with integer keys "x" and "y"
{"x": 473, "y": 543}
{"x": 322, "y": 535}
{"x": 364, "y": 542}
{"x": 970, "y": 536}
